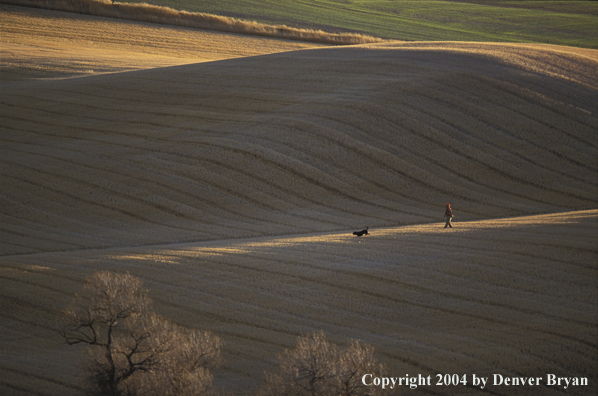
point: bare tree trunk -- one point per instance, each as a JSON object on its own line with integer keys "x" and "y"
{"x": 111, "y": 368}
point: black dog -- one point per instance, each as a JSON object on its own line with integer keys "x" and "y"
{"x": 362, "y": 232}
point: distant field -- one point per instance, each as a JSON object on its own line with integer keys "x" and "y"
{"x": 44, "y": 44}
{"x": 571, "y": 23}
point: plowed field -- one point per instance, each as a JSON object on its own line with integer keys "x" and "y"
{"x": 231, "y": 187}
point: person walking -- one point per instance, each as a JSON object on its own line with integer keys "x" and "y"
{"x": 448, "y": 213}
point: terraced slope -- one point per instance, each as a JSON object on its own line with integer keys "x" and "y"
{"x": 516, "y": 297}
{"x": 298, "y": 142}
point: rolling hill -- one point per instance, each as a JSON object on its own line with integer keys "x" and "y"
{"x": 515, "y": 297}
{"x": 571, "y": 23}
{"x": 43, "y": 44}
{"x": 567, "y": 23}
{"x": 231, "y": 188}
{"x": 306, "y": 141}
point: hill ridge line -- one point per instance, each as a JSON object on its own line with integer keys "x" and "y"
{"x": 387, "y": 230}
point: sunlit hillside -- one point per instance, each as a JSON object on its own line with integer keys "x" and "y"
{"x": 42, "y": 44}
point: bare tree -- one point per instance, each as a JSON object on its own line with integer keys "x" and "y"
{"x": 318, "y": 368}
{"x": 183, "y": 364}
{"x": 352, "y": 364}
{"x": 133, "y": 351}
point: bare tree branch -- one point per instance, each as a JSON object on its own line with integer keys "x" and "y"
{"x": 315, "y": 367}
{"x": 132, "y": 351}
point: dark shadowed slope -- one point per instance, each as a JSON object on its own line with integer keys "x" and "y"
{"x": 516, "y": 297}
{"x": 315, "y": 140}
